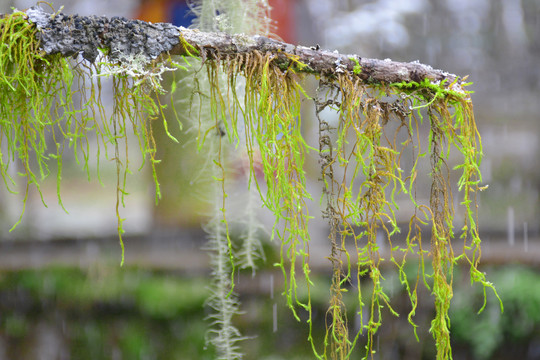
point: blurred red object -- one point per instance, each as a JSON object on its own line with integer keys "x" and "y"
{"x": 178, "y": 13}
{"x": 282, "y": 14}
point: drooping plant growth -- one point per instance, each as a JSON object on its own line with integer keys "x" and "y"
{"x": 46, "y": 98}
{"x": 370, "y": 160}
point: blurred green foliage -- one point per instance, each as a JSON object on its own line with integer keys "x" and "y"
{"x": 491, "y": 331}
{"x": 105, "y": 312}
{"x": 137, "y": 314}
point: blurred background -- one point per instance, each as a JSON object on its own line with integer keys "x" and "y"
{"x": 63, "y": 294}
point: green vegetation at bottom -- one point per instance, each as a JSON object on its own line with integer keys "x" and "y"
{"x": 111, "y": 312}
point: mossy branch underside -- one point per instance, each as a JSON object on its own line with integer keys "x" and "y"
{"x": 73, "y": 34}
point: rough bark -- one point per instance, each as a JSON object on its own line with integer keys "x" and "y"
{"x": 124, "y": 38}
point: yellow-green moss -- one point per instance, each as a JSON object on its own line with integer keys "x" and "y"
{"x": 361, "y": 168}
{"x": 50, "y": 97}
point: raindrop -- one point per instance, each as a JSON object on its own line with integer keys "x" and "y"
{"x": 510, "y": 224}
{"x": 525, "y": 237}
{"x": 274, "y": 317}
{"x": 274, "y": 305}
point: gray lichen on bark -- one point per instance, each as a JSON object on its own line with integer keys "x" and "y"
{"x": 123, "y": 39}
{"x": 74, "y": 34}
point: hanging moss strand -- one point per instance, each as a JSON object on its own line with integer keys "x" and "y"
{"x": 370, "y": 160}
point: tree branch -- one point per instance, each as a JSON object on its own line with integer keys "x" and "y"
{"x": 123, "y": 38}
